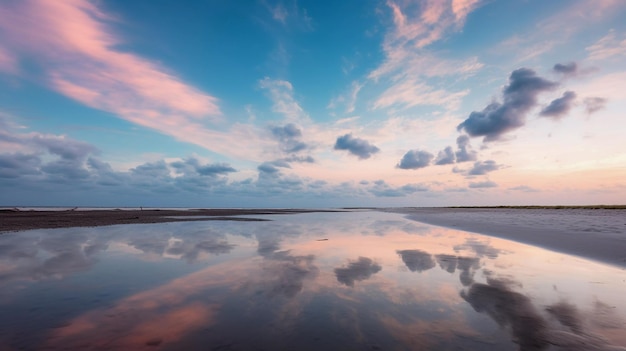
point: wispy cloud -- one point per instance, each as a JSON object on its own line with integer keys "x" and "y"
{"x": 288, "y": 13}
{"x": 77, "y": 48}
{"x": 408, "y": 65}
{"x": 594, "y": 104}
{"x": 558, "y": 29}
{"x": 279, "y": 13}
{"x": 348, "y": 100}
{"x": 282, "y": 95}
{"x": 611, "y": 45}
{"x": 411, "y": 92}
{"x": 8, "y": 63}
{"x": 482, "y": 185}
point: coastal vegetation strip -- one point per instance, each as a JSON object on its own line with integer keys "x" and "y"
{"x": 552, "y": 207}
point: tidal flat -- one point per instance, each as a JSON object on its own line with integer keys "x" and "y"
{"x": 363, "y": 279}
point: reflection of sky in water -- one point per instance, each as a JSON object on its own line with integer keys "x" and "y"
{"x": 379, "y": 281}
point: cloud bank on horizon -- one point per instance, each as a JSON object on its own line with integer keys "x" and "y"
{"x": 389, "y": 103}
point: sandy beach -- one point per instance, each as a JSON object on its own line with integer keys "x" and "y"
{"x": 598, "y": 234}
{"x": 15, "y": 220}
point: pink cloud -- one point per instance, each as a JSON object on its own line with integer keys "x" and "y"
{"x": 461, "y": 8}
{"x": 7, "y": 62}
{"x": 74, "y": 43}
{"x": 433, "y": 11}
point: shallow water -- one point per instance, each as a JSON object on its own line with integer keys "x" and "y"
{"x": 333, "y": 281}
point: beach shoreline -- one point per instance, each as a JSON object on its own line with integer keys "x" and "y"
{"x": 15, "y": 221}
{"x": 598, "y": 234}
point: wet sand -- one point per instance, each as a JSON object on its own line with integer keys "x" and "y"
{"x": 598, "y": 234}
{"x": 14, "y": 220}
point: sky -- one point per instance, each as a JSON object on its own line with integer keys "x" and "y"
{"x": 290, "y": 103}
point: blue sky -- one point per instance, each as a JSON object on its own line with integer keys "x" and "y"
{"x": 312, "y": 103}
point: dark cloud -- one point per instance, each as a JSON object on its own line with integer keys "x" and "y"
{"x": 156, "y": 169}
{"x": 67, "y": 149}
{"x": 98, "y": 165}
{"x": 559, "y": 107}
{"x": 524, "y": 188}
{"x": 272, "y": 167}
{"x": 191, "y": 166}
{"x": 381, "y": 189}
{"x": 272, "y": 181}
{"x": 415, "y": 159}
{"x": 67, "y": 168}
{"x": 464, "y": 152}
{"x": 519, "y": 97}
{"x": 359, "y": 147}
{"x": 416, "y": 260}
{"x": 215, "y": 169}
{"x": 299, "y": 159}
{"x": 483, "y": 167}
{"x": 445, "y": 156}
{"x": 358, "y": 270}
{"x": 64, "y": 170}
{"x": 485, "y": 184}
{"x": 288, "y": 136}
{"x": 567, "y": 69}
{"x": 286, "y": 132}
{"x": 18, "y": 165}
{"x": 594, "y": 104}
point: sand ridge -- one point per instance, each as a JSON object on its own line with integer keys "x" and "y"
{"x": 15, "y": 220}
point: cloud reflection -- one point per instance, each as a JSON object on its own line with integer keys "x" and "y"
{"x": 285, "y": 273}
{"x": 511, "y": 310}
{"x": 481, "y": 248}
{"x": 416, "y": 260}
{"x": 282, "y": 289}
{"x": 358, "y": 270}
{"x": 467, "y": 266}
{"x": 530, "y": 329}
